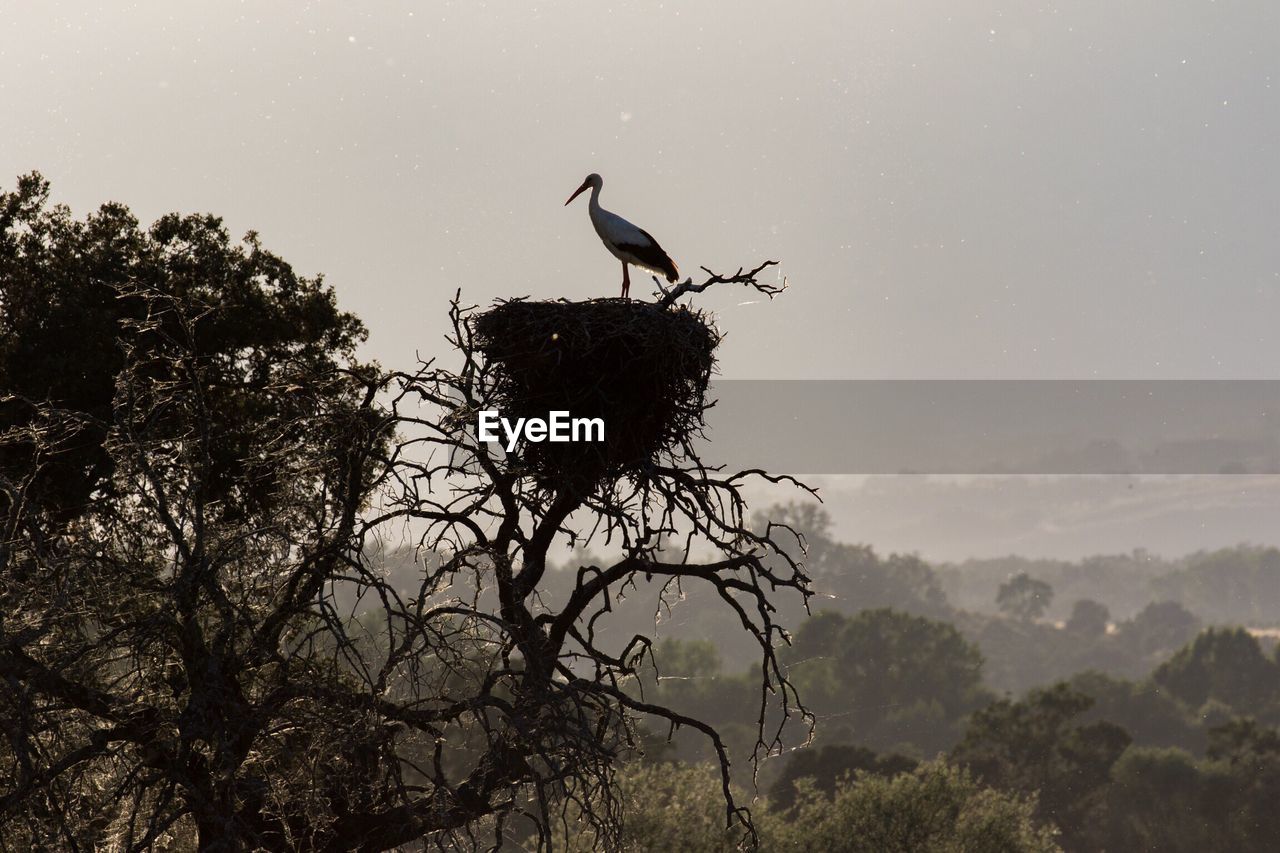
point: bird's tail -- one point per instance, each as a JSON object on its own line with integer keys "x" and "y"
{"x": 669, "y": 269}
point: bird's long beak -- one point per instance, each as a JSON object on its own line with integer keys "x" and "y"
{"x": 577, "y": 192}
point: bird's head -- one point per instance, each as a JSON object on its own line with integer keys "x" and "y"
{"x": 593, "y": 180}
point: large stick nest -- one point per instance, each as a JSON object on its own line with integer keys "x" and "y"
{"x": 642, "y": 368}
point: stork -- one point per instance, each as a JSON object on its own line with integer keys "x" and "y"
{"x": 628, "y": 243}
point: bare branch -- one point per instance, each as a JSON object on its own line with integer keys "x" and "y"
{"x": 742, "y": 276}
{"x": 250, "y": 664}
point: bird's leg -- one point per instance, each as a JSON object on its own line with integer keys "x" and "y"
{"x": 626, "y": 280}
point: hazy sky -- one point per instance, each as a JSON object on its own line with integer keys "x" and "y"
{"x": 971, "y": 189}
{"x": 954, "y": 518}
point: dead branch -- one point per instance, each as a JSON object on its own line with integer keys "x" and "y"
{"x": 742, "y": 276}
{"x": 245, "y": 666}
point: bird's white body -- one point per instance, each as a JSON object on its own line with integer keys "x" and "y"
{"x": 616, "y": 232}
{"x": 627, "y": 242}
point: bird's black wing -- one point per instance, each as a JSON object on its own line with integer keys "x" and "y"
{"x": 652, "y": 256}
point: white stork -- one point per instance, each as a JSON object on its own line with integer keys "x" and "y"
{"x": 628, "y": 243}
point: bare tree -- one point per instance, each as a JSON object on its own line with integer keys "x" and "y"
{"x": 185, "y": 666}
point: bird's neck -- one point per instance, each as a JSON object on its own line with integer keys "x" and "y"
{"x": 594, "y": 210}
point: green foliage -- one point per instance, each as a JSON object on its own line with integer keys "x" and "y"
{"x": 1229, "y": 586}
{"x": 687, "y": 677}
{"x": 1158, "y": 629}
{"x": 687, "y": 658}
{"x": 1022, "y": 654}
{"x": 194, "y": 472}
{"x": 1225, "y": 665}
{"x": 76, "y": 299}
{"x": 1040, "y": 744}
{"x": 1121, "y": 581}
{"x": 881, "y": 679}
{"x": 887, "y": 677}
{"x": 1164, "y": 799}
{"x": 936, "y": 808}
{"x": 170, "y": 614}
{"x": 828, "y": 767}
{"x": 1248, "y": 756}
{"x": 665, "y": 807}
{"x": 1232, "y": 585}
{"x": 855, "y": 577}
{"x": 1151, "y": 716}
{"x": 1242, "y": 742}
{"x": 1088, "y": 619}
{"x": 1159, "y": 802}
{"x": 1024, "y": 597}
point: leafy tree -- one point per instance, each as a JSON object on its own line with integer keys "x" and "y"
{"x": 1158, "y": 629}
{"x": 1088, "y": 620}
{"x": 1248, "y": 754}
{"x": 1041, "y": 745}
{"x": 1163, "y": 799}
{"x": 685, "y": 675}
{"x": 1226, "y": 665}
{"x": 74, "y": 303}
{"x": 1022, "y": 654}
{"x": 1242, "y": 742}
{"x": 1023, "y": 597}
{"x": 664, "y": 807}
{"x": 1150, "y": 715}
{"x": 1159, "y": 801}
{"x": 1238, "y": 585}
{"x": 196, "y": 644}
{"x": 932, "y": 809}
{"x": 936, "y": 808}
{"x": 828, "y": 767}
{"x": 687, "y": 659}
{"x": 855, "y": 577}
{"x": 175, "y": 657}
{"x": 1123, "y": 581}
{"x": 892, "y": 678}
{"x": 1017, "y": 654}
